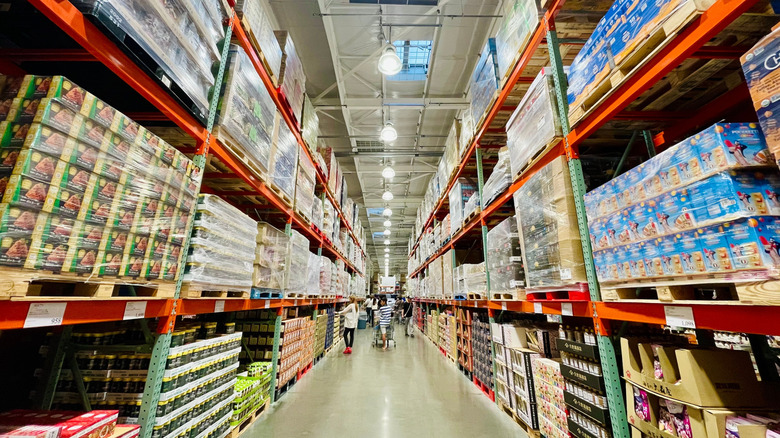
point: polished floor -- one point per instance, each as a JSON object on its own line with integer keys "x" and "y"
{"x": 409, "y": 391}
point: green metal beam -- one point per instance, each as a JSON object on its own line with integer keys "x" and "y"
{"x": 648, "y": 136}
{"x": 151, "y": 396}
{"x": 625, "y": 155}
{"x": 53, "y": 367}
{"x": 480, "y": 186}
{"x": 275, "y": 354}
{"x": 78, "y": 379}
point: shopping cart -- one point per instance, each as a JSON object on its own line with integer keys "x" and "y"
{"x": 378, "y": 336}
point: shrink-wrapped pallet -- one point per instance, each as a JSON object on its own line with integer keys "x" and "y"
{"x": 284, "y": 159}
{"x": 271, "y": 252}
{"x": 484, "y": 81}
{"x": 499, "y": 179}
{"x": 520, "y": 20}
{"x": 255, "y": 18}
{"x": 304, "y": 187}
{"x": 504, "y": 258}
{"x": 292, "y": 79}
{"x": 298, "y": 262}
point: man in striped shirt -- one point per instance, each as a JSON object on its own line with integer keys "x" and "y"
{"x": 385, "y": 318}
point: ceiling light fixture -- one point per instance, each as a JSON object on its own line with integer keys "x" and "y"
{"x": 387, "y": 249}
{"x": 389, "y": 62}
{"x": 387, "y": 223}
{"x": 388, "y": 172}
{"x": 388, "y": 133}
{"x": 387, "y": 232}
{"x": 387, "y": 195}
{"x": 387, "y": 256}
{"x": 387, "y": 212}
{"x": 387, "y": 241}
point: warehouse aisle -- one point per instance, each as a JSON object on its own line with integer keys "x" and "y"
{"x": 407, "y": 392}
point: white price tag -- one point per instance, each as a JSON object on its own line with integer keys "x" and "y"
{"x": 295, "y": 303}
{"x": 566, "y": 309}
{"x": 503, "y": 305}
{"x": 267, "y": 304}
{"x": 678, "y": 316}
{"x": 219, "y": 306}
{"x": 474, "y": 304}
{"x": 135, "y": 310}
{"x": 555, "y": 318}
{"x": 44, "y": 314}
{"x": 538, "y": 308}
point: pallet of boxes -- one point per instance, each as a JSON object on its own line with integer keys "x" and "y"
{"x": 90, "y": 198}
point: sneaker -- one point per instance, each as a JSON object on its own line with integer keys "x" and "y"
{"x": 349, "y": 350}
{"x": 346, "y": 351}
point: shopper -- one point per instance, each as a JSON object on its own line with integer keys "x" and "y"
{"x": 408, "y": 313}
{"x": 370, "y": 311}
{"x": 385, "y": 319}
{"x": 375, "y": 308}
{"x": 350, "y": 323}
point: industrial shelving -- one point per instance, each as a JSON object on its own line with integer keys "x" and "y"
{"x": 97, "y": 46}
{"x": 687, "y": 43}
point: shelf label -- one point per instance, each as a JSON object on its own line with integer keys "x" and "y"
{"x": 679, "y": 316}
{"x": 219, "y": 306}
{"x": 473, "y": 304}
{"x": 555, "y": 318}
{"x": 538, "y": 308}
{"x": 44, "y": 314}
{"x": 267, "y": 304}
{"x": 503, "y": 305}
{"x": 135, "y": 310}
{"x": 566, "y": 309}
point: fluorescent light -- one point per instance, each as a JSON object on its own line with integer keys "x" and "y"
{"x": 387, "y": 212}
{"x": 387, "y": 195}
{"x": 388, "y": 172}
{"x": 387, "y": 223}
{"x": 387, "y": 249}
{"x": 387, "y": 232}
{"x": 387, "y": 241}
{"x": 387, "y": 256}
{"x": 388, "y": 133}
{"x": 389, "y": 62}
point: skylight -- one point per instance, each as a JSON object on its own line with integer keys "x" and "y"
{"x": 415, "y": 56}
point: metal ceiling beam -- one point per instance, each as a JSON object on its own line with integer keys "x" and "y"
{"x": 367, "y": 103}
{"x": 396, "y": 153}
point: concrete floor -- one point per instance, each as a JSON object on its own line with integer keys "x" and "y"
{"x": 409, "y": 391}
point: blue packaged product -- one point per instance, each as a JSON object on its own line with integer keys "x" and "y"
{"x": 652, "y": 255}
{"x": 754, "y": 243}
{"x": 674, "y": 211}
{"x": 621, "y": 263}
{"x": 622, "y": 193}
{"x": 636, "y": 260}
{"x": 617, "y": 228}
{"x": 609, "y": 270}
{"x": 688, "y": 165}
{"x": 598, "y": 237}
{"x": 599, "y": 261}
{"x": 729, "y": 195}
{"x": 772, "y": 193}
{"x": 636, "y": 190}
{"x": 651, "y": 179}
{"x": 670, "y": 256}
{"x": 731, "y": 145}
{"x": 690, "y": 252}
{"x": 668, "y": 171}
{"x": 715, "y": 249}
{"x": 642, "y": 221}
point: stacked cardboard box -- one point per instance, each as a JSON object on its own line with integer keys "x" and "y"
{"x": 547, "y": 221}
{"x": 304, "y": 187}
{"x": 255, "y": 18}
{"x": 218, "y": 259}
{"x": 483, "y": 356}
{"x": 270, "y": 259}
{"x": 297, "y": 263}
{"x": 86, "y": 189}
{"x": 551, "y": 407}
{"x": 310, "y": 127}
{"x": 284, "y": 159}
{"x": 504, "y": 259}
{"x": 484, "y": 81}
{"x": 292, "y": 80}
{"x": 520, "y": 20}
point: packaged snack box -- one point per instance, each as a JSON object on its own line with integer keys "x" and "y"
{"x": 69, "y": 202}
{"x": 4, "y": 176}
{"x": 14, "y": 249}
{"x": 125, "y": 127}
{"x": 22, "y": 110}
{"x": 674, "y": 211}
{"x": 99, "y": 111}
{"x": 40, "y": 166}
{"x": 109, "y": 263}
{"x": 118, "y": 147}
{"x": 77, "y": 179}
{"x": 636, "y": 260}
{"x": 96, "y": 211}
{"x": 8, "y": 160}
{"x": 643, "y": 222}
{"x": 688, "y": 165}
{"x": 140, "y": 160}
{"x": 754, "y": 243}
{"x": 125, "y": 211}
{"x": 109, "y": 167}
{"x": 27, "y": 192}
{"x": 53, "y": 228}
{"x": 106, "y": 189}
{"x": 729, "y": 195}
{"x": 114, "y": 241}
{"x": 46, "y": 256}
{"x": 5, "y": 106}
{"x": 86, "y": 235}
{"x": 95, "y": 135}
{"x": 132, "y": 266}
{"x": 152, "y": 268}
{"x": 690, "y": 252}
{"x": 715, "y": 249}
{"x": 80, "y": 260}
{"x": 33, "y": 432}
{"x": 52, "y": 113}
{"x": 136, "y": 245}
{"x": 731, "y": 145}
{"x": 148, "y": 140}
{"x": 170, "y": 269}
{"x": 12, "y": 135}
{"x": 652, "y": 256}
{"x": 15, "y": 220}
{"x": 50, "y": 141}
{"x": 671, "y": 263}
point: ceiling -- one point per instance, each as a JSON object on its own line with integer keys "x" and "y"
{"x": 339, "y": 47}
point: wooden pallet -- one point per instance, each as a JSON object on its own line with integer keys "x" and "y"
{"x": 255, "y": 43}
{"x": 268, "y": 295}
{"x": 536, "y": 157}
{"x": 249, "y": 420}
{"x": 17, "y": 283}
{"x": 635, "y": 59}
{"x": 508, "y": 295}
{"x": 238, "y": 152}
{"x": 294, "y": 296}
{"x": 704, "y": 291}
{"x": 532, "y": 433}
{"x": 197, "y": 291}
{"x": 286, "y": 200}
{"x": 304, "y": 216}
{"x": 472, "y": 215}
{"x": 476, "y": 296}
{"x": 576, "y": 292}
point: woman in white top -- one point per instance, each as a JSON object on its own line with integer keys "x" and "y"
{"x": 350, "y": 323}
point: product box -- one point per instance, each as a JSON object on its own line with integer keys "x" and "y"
{"x": 636, "y": 260}
{"x": 8, "y": 160}
{"x": 730, "y": 145}
{"x": 707, "y": 378}
{"x": 715, "y": 249}
{"x": 671, "y": 263}
{"x": 729, "y": 195}
{"x": 22, "y": 110}
{"x": 40, "y": 167}
{"x": 26, "y": 192}
{"x": 80, "y": 260}
{"x": 46, "y": 256}
{"x": 52, "y": 113}
{"x": 86, "y": 235}
{"x": 33, "y": 432}
{"x": 16, "y": 220}
{"x": 690, "y": 252}
{"x": 14, "y": 249}
{"x": 754, "y": 242}
{"x": 50, "y": 141}
{"x": 760, "y": 68}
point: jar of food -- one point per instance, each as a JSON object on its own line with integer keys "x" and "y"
{"x": 167, "y": 384}
{"x": 177, "y": 338}
{"x": 230, "y": 328}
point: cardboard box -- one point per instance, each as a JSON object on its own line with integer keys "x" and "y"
{"x": 707, "y": 378}
{"x": 514, "y": 336}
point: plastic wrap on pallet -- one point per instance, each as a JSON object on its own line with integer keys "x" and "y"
{"x": 547, "y": 221}
{"x": 222, "y": 247}
{"x": 255, "y": 15}
{"x": 298, "y": 262}
{"x": 466, "y": 131}
{"x": 304, "y": 187}
{"x": 461, "y": 192}
{"x": 705, "y": 207}
{"x": 484, "y": 81}
{"x": 85, "y": 191}
{"x": 292, "y": 80}
{"x": 313, "y": 268}
{"x": 317, "y": 213}
{"x": 520, "y": 20}
{"x": 284, "y": 159}
{"x": 310, "y": 127}
{"x": 499, "y": 179}
{"x": 535, "y": 123}
{"x": 761, "y": 76}
{"x": 472, "y": 205}
{"x": 326, "y": 267}
{"x": 448, "y": 288}
{"x": 270, "y": 257}
{"x": 180, "y": 37}
{"x": 471, "y": 278}
{"x": 246, "y": 112}
{"x": 504, "y": 257}
{"x": 619, "y": 32}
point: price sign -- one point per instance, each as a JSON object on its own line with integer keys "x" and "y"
{"x": 503, "y": 305}
{"x": 219, "y": 306}
{"x": 566, "y": 309}
{"x": 538, "y": 308}
{"x": 267, "y": 304}
{"x": 679, "y": 316}
{"x": 135, "y": 310}
{"x": 44, "y": 314}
